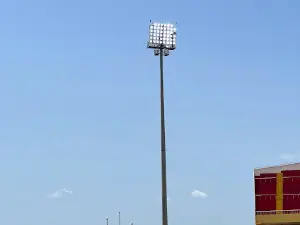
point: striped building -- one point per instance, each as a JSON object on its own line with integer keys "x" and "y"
{"x": 277, "y": 194}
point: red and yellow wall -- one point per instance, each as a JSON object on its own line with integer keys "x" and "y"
{"x": 277, "y": 197}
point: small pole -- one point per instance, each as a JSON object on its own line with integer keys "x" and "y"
{"x": 119, "y": 218}
{"x": 106, "y": 220}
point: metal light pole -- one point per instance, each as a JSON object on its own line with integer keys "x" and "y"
{"x": 119, "y": 218}
{"x": 162, "y": 38}
{"x": 106, "y": 220}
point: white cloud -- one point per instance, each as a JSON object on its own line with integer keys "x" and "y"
{"x": 198, "y": 194}
{"x": 60, "y": 193}
{"x": 289, "y": 157}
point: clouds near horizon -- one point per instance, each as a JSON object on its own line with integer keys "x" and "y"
{"x": 60, "y": 193}
{"x": 199, "y": 194}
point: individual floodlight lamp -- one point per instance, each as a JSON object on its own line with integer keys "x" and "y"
{"x": 162, "y": 36}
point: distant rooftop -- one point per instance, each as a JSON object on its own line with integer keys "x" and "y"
{"x": 277, "y": 169}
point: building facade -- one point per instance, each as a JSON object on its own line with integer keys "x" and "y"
{"x": 277, "y": 194}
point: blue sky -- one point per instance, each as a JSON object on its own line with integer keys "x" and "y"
{"x": 79, "y": 98}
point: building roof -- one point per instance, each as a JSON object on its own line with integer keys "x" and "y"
{"x": 277, "y": 169}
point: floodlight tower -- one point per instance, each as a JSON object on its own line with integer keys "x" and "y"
{"x": 162, "y": 38}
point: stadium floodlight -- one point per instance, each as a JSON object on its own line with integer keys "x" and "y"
{"x": 162, "y": 38}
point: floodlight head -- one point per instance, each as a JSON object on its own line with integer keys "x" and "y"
{"x": 162, "y": 36}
